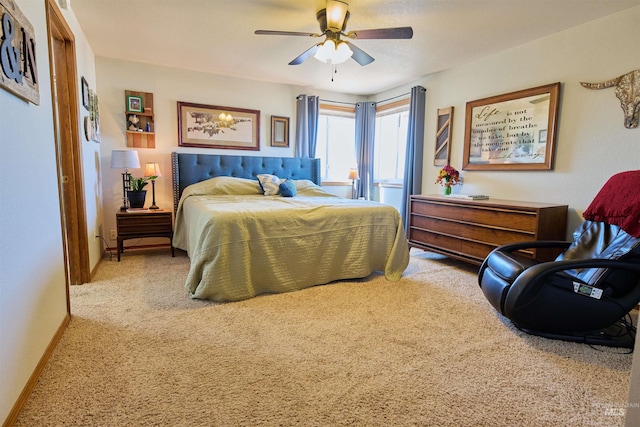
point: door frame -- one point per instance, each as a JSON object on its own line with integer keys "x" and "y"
{"x": 66, "y": 113}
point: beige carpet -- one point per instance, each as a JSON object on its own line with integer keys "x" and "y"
{"x": 425, "y": 351}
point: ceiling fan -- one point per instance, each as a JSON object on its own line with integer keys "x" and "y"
{"x": 333, "y": 23}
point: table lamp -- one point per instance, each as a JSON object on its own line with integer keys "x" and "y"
{"x": 125, "y": 159}
{"x": 152, "y": 170}
{"x": 353, "y": 176}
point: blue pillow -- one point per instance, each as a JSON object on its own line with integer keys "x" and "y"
{"x": 287, "y": 188}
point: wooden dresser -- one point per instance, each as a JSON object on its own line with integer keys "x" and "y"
{"x": 469, "y": 229}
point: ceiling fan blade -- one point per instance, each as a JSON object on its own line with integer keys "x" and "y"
{"x": 359, "y": 55}
{"x": 382, "y": 33}
{"x": 284, "y": 33}
{"x": 305, "y": 55}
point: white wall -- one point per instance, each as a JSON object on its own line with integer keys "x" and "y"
{"x": 170, "y": 85}
{"x": 592, "y": 142}
{"x": 33, "y": 300}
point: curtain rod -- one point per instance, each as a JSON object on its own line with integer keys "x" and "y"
{"x": 377, "y": 102}
{"x": 394, "y": 97}
{"x": 337, "y": 102}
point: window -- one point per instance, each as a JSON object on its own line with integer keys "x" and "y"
{"x": 336, "y": 141}
{"x": 392, "y": 123}
{"x": 335, "y": 144}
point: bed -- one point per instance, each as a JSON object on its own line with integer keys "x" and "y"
{"x": 242, "y": 243}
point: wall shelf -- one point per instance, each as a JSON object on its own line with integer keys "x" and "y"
{"x": 137, "y": 136}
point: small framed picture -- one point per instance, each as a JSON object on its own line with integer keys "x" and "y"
{"x": 85, "y": 94}
{"x": 279, "y": 131}
{"x": 134, "y": 104}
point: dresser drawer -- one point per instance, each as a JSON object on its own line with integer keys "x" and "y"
{"x": 517, "y": 220}
{"x": 470, "y": 229}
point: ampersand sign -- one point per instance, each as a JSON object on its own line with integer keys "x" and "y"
{"x": 9, "y": 55}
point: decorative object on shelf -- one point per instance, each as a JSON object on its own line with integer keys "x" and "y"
{"x": 85, "y": 94}
{"x": 447, "y": 177}
{"x": 353, "y": 176}
{"x": 502, "y": 132}
{"x": 152, "y": 172}
{"x": 443, "y": 136}
{"x": 279, "y": 131}
{"x": 133, "y": 121}
{"x": 125, "y": 159}
{"x": 628, "y": 92}
{"x": 211, "y": 126}
{"x": 134, "y": 104}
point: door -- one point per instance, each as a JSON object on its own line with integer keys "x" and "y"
{"x": 64, "y": 92}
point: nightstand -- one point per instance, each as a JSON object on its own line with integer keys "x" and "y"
{"x": 136, "y": 224}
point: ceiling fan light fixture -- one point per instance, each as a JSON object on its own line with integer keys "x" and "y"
{"x": 328, "y": 52}
{"x": 342, "y": 53}
{"x": 325, "y": 51}
{"x": 336, "y": 12}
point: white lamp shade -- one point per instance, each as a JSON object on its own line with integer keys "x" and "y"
{"x": 152, "y": 169}
{"x": 125, "y": 159}
{"x": 353, "y": 174}
{"x": 329, "y": 52}
{"x": 336, "y": 11}
{"x": 342, "y": 53}
{"x": 325, "y": 51}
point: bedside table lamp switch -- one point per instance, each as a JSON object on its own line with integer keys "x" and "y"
{"x": 153, "y": 170}
{"x": 125, "y": 159}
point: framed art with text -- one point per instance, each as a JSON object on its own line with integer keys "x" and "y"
{"x": 514, "y": 131}
{"x": 212, "y": 126}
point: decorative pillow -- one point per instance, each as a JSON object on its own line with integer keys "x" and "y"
{"x": 222, "y": 185}
{"x": 287, "y": 188}
{"x": 270, "y": 184}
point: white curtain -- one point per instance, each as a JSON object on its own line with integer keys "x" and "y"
{"x": 414, "y": 157}
{"x": 365, "y": 136}
{"x": 307, "y": 110}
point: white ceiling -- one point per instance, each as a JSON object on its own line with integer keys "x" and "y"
{"x": 217, "y": 36}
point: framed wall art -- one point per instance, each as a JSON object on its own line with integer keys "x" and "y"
{"x": 443, "y": 136}
{"x": 85, "y": 94}
{"x": 134, "y": 104}
{"x": 514, "y": 131}
{"x": 279, "y": 131}
{"x": 213, "y": 126}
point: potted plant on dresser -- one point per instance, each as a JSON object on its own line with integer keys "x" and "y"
{"x": 136, "y": 192}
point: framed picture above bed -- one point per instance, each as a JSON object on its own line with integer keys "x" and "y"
{"x": 212, "y": 126}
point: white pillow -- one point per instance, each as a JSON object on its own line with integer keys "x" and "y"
{"x": 270, "y": 184}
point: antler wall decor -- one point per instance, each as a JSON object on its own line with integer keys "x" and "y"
{"x": 628, "y": 92}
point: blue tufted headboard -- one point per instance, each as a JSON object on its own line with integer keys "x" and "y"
{"x": 191, "y": 168}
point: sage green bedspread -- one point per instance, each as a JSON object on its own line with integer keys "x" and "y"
{"x": 243, "y": 245}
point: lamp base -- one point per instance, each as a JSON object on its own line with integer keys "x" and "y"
{"x": 153, "y": 207}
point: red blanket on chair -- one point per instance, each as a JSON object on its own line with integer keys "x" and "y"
{"x": 618, "y": 203}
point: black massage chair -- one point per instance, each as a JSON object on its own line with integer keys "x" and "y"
{"x": 586, "y": 294}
